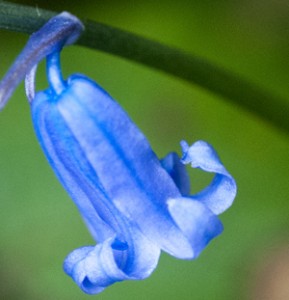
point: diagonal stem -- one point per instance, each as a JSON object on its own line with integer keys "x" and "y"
{"x": 191, "y": 68}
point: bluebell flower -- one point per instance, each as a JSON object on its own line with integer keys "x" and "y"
{"x": 134, "y": 204}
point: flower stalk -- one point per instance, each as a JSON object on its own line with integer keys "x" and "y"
{"x": 189, "y": 67}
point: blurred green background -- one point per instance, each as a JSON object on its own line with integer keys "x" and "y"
{"x": 40, "y": 224}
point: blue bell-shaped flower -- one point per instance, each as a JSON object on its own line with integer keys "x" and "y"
{"x": 133, "y": 204}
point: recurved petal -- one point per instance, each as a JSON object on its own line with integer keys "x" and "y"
{"x": 74, "y": 267}
{"x": 219, "y": 195}
{"x": 95, "y": 268}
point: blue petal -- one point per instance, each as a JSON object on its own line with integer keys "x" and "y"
{"x": 219, "y": 195}
{"x": 127, "y": 169}
{"x": 109, "y": 155}
{"x": 172, "y": 164}
{"x": 92, "y": 268}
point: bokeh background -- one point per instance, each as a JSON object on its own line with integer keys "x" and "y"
{"x": 40, "y": 224}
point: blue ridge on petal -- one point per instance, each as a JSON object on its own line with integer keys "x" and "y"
{"x": 219, "y": 195}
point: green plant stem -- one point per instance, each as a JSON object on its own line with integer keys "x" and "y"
{"x": 239, "y": 91}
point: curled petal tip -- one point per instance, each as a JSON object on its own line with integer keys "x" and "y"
{"x": 95, "y": 268}
{"x": 220, "y": 194}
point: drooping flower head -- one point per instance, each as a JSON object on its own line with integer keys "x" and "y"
{"x": 134, "y": 204}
